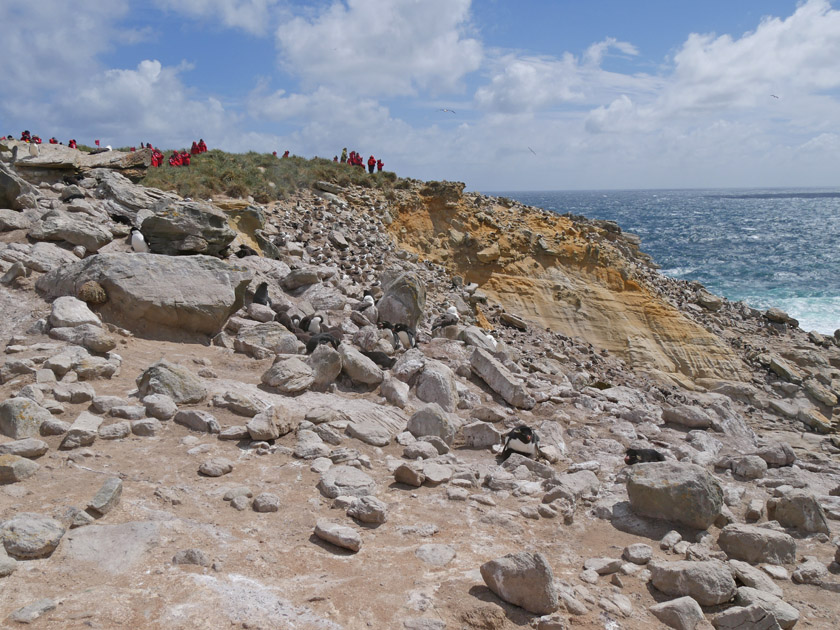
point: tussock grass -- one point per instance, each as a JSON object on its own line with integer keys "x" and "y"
{"x": 260, "y": 175}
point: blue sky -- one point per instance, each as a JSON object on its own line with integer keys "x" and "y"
{"x": 547, "y": 94}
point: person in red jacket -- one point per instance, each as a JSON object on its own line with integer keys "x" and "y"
{"x": 72, "y": 143}
{"x": 25, "y": 136}
{"x": 379, "y": 165}
{"x": 371, "y": 164}
{"x": 185, "y": 158}
{"x": 202, "y": 148}
{"x": 53, "y": 140}
{"x": 286, "y": 153}
{"x": 36, "y": 139}
{"x": 175, "y": 159}
{"x": 194, "y": 150}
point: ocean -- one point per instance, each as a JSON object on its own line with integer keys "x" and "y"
{"x": 767, "y": 247}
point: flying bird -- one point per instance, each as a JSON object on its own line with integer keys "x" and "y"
{"x": 774, "y": 96}
{"x": 451, "y": 111}
{"x": 532, "y": 151}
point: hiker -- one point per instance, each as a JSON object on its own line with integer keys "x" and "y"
{"x": 175, "y": 159}
{"x": 194, "y": 150}
{"x": 286, "y": 153}
{"x": 202, "y": 148}
{"x": 344, "y": 155}
{"x": 53, "y": 140}
{"x": 72, "y": 143}
{"x": 185, "y": 158}
{"x": 371, "y": 164}
{"x": 379, "y": 165}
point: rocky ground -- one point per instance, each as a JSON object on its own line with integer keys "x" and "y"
{"x": 171, "y": 455}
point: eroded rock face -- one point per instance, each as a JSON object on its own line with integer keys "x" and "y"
{"x": 709, "y": 582}
{"x": 403, "y": 301}
{"x": 149, "y": 293}
{"x": 523, "y": 579}
{"x": 751, "y": 543}
{"x": 172, "y": 380}
{"x": 683, "y": 493}
{"x": 187, "y": 227}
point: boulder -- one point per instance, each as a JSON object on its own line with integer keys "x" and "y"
{"x": 800, "y": 510}
{"x": 12, "y": 187}
{"x": 403, "y": 301}
{"x": 691, "y": 416}
{"x": 197, "y": 420}
{"x": 341, "y": 481}
{"x": 432, "y": 420}
{"x": 752, "y": 617}
{"x": 172, "y": 380}
{"x": 27, "y": 536}
{"x": 149, "y": 293}
{"x": 22, "y": 418}
{"x": 338, "y": 535}
{"x": 500, "y": 379}
{"x": 358, "y": 367}
{"x": 785, "y": 614}
{"x": 326, "y": 364}
{"x": 708, "y": 582}
{"x": 436, "y": 384}
{"x": 751, "y": 543}
{"x": 90, "y": 336}
{"x": 675, "y": 491}
{"x": 266, "y": 339}
{"x": 289, "y": 376}
{"x": 523, "y": 579}
{"x": 187, "y": 227}
{"x": 83, "y": 431}
{"x": 69, "y": 311}
{"x": 368, "y": 510}
{"x": 73, "y": 228}
{"x": 14, "y": 468}
{"x": 683, "y": 613}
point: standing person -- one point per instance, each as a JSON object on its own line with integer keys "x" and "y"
{"x": 202, "y": 148}
{"x": 379, "y": 165}
{"x": 371, "y": 164}
{"x": 194, "y": 150}
{"x": 175, "y": 159}
{"x": 185, "y": 158}
{"x": 344, "y": 155}
{"x": 286, "y": 153}
{"x": 72, "y": 143}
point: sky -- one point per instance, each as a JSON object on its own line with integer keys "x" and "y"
{"x": 503, "y": 95}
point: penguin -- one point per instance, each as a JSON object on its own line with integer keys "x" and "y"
{"x": 380, "y": 358}
{"x": 449, "y": 318}
{"x": 312, "y": 324}
{"x": 138, "y": 243}
{"x": 365, "y": 304}
{"x": 321, "y": 338}
{"x": 643, "y": 455}
{"x": 292, "y": 323}
{"x": 34, "y": 149}
{"x": 405, "y": 335}
{"x": 522, "y": 440}
{"x": 261, "y": 294}
{"x": 244, "y": 251}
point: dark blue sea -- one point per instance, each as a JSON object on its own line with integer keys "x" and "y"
{"x": 767, "y": 247}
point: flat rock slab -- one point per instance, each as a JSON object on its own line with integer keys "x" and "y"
{"x": 107, "y": 498}
{"x": 111, "y": 548}
{"x": 435, "y": 555}
{"x": 346, "y": 481}
{"x": 707, "y": 582}
{"x": 338, "y": 535}
{"x": 751, "y": 543}
{"x": 14, "y": 468}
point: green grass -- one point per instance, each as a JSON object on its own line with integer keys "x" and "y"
{"x": 260, "y": 175}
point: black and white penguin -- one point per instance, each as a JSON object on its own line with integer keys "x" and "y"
{"x": 34, "y": 149}
{"x": 321, "y": 338}
{"x": 312, "y": 324}
{"x": 380, "y": 358}
{"x": 366, "y": 303}
{"x": 449, "y": 318}
{"x": 405, "y": 335}
{"x": 261, "y": 294}
{"x": 138, "y": 243}
{"x": 523, "y": 440}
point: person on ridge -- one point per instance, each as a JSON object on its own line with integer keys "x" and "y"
{"x": 25, "y": 136}
{"x": 286, "y": 153}
{"x": 175, "y": 159}
{"x": 274, "y": 153}
{"x": 371, "y": 164}
{"x": 72, "y": 143}
{"x": 344, "y": 155}
{"x": 53, "y": 140}
{"x": 185, "y": 158}
{"x": 202, "y": 148}
{"x": 379, "y": 165}
{"x": 194, "y": 150}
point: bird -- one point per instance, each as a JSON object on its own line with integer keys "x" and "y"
{"x": 405, "y": 335}
{"x": 319, "y": 339}
{"x": 261, "y": 294}
{"x": 451, "y": 111}
{"x": 774, "y": 96}
{"x": 365, "y": 304}
{"x": 292, "y": 323}
{"x": 532, "y": 151}
{"x": 311, "y": 324}
{"x": 449, "y": 318}
{"x": 138, "y": 243}
{"x": 244, "y": 251}
{"x": 34, "y": 149}
{"x": 523, "y": 440}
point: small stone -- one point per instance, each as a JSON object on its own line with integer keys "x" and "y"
{"x": 28, "y": 535}
{"x": 107, "y": 498}
{"x": 683, "y": 613}
{"x": 338, "y": 535}
{"x": 409, "y": 475}
{"x": 603, "y": 566}
{"x": 191, "y": 556}
{"x": 638, "y": 553}
{"x": 436, "y": 555}
{"x": 241, "y": 502}
{"x": 147, "y": 427}
{"x": 14, "y": 468}
{"x": 368, "y": 510}
{"x": 33, "y": 611}
{"x": 216, "y": 467}
{"x": 266, "y": 502}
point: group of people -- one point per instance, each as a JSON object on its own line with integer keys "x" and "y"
{"x": 178, "y": 158}
{"x": 356, "y": 159}
{"x": 25, "y": 136}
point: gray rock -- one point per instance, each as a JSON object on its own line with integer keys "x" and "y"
{"x": 420, "y": 449}
{"x": 637, "y": 553}
{"x": 436, "y": 473}
{"x": 757, "y": 544}
{"x": 191, "y": 556}
{"x": 500, "y": 380}
{"x": 111, "y": 549}
{"x": 263, "y": 426}
{"x": 748, "y": 575}
{"x": 82, "y": 432}
{"x": 160, "y": 406}
{"x": 403, "y": 300}
{"x": 785, "y": 614}
{"x": 27, "y": 447}
{"x": 197, "y": 421}
{"x": 74, "y": 393}
{"x": 777, "y": 454}
{"x": 522, "y": 579}
{"x": 435, "y": 555}
{"x": 107, "y": 498}
{"x": 33, "y": 611}
{"x": 811, "y": 571}
{"x": 745, "y": 618}
{"x": 187, "y": 227}
{"x": 21, "y": 418}
{"x": 54, "y": 426}
{"x": 358, "y": 367}
{"x": 69, "y": 311}
{"x": 264, "y": 340}
{"x": 172, "y": 380}
{"x": 147, "y": 427}
{"x": 436, "y": 384}
{"x": 116, "y": 431}
{"x": 310, "y": 445}
{"x": 395, "y": 391}
{"x": 326, "y": 366}
{"x": 691, "y": 416}
{"x": 128, "y": 412}
{"x": 346, "y": 481}
{"x": 749, "y": 467}
{"x": 800, "y": 510}
{"x": 289, "y": 376}
{"x": 338, "y": 535}
{"x": 603, "y": 566}
{"x": 708, "y": 582}
{"x": 409, "y": 475}
{"x": 216, "y": 467}
{"x": 683, "y": 493}
{"x": 432, "y": 420}
{"x": 368, "y": 510}
{"x": 266, "y": 502}
{"x": 57, "y": 225}
{"x": 683, "y": 613}
{"x": 481, "y": 435}
{"x": 14, "y": 468}
{"x": 148, "y": 293}
{"x": 27, "y": 535}
{"x": 7, "y": 563}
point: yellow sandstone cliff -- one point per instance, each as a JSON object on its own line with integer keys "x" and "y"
{"x": 565, "y": 275}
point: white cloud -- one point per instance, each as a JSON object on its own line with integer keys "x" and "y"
{"x": 388, "y": 47}
{"x": 253, "y": 16}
